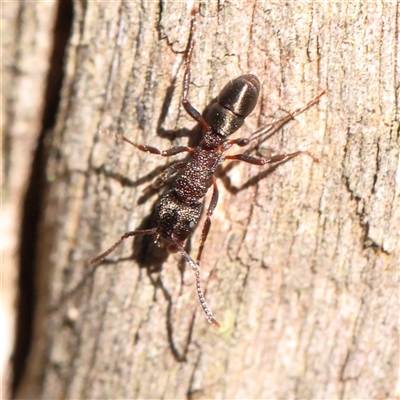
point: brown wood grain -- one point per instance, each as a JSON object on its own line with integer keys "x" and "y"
{"x": 301, "y": 264}
{"x": 26, "y": 42}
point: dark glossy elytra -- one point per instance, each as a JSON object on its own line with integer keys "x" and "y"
{"x": 235, "y": 102}
{"x": 179, "y": 210}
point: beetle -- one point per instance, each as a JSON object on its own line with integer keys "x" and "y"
{"x": 179, "y": 210}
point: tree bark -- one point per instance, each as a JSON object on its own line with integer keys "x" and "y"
{"x": 301, "y": 263}
{"x": 26, "y": 36}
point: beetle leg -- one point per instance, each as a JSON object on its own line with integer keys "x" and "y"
{"x": 207, "y": 223}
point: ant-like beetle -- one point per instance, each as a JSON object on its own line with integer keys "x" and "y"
{"x": 179, "y": 210}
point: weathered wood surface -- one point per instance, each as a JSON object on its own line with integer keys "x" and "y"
{"x": 300, "y": 265}
{"x": 26, "y": 40}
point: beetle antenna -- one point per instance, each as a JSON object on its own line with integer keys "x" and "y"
{"x": 126, "y": 235}
{"x": 200, "y": 294}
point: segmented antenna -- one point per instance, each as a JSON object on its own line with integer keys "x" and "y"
{"x": 202, "y": 300}
{"x": 126, "y": 235}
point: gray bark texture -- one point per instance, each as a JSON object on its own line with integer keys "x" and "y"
{"x": 26, "y": 40}
{"x": 301, "y": 264}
